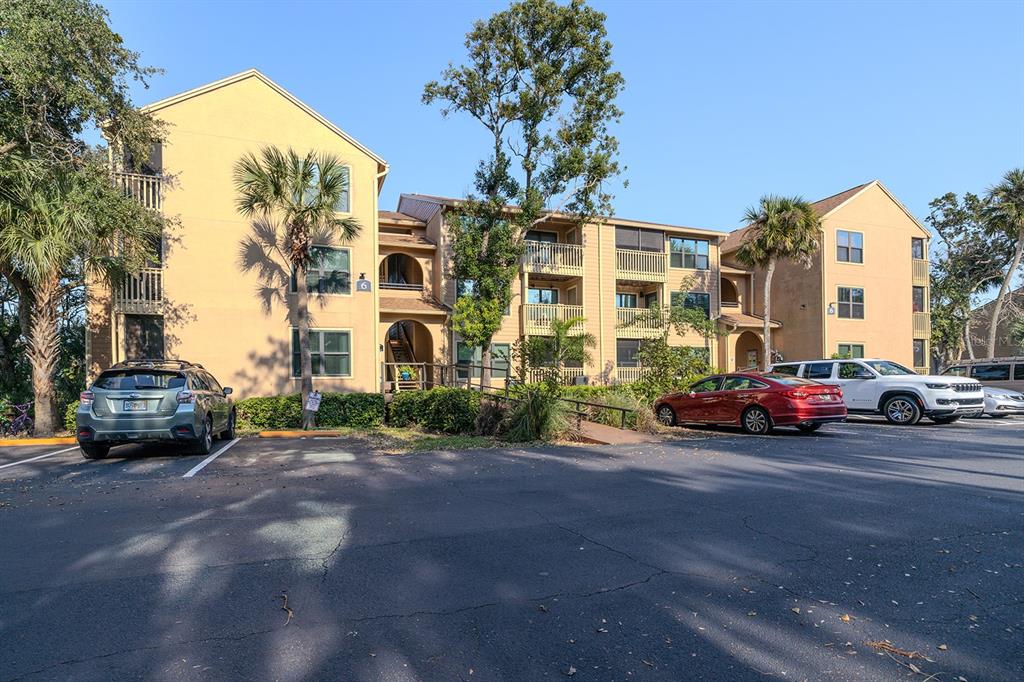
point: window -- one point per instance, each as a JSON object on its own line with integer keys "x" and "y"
{"x": 330, "y": 351}
{"x": 199, "y": 382}
{"x": 849, "y": 246}
{"x": 889, "y": 369}
{"x": 1018, "y": 371}
{"x": 133, "y": 379}
{"x": 343, "y": 205}
{"x": 212, "y": 383}
{"x": 851, "y": 303}
{"x": 788, "y": 370}
{"x": 921, "y": 361}
{"x": 330, "y": 271}
{"x": 626, "y": 351}
{"x": 540, "y": 236}
{"x": 960, "y": 371}
{"x": 546, "y": 296}
{"x": 851, "y": 350}
{"x": 625, "y": 300}
{"x": 688, "y": 253}
{"x": 500, "y": 360}
{"x": 467, "y": 355}
{"x": 464, "y": 287}
{"x": 696, "y": 300}
{"x": 741, "y": 384}
{"x": 651, "y": 299}
{"x": 818, "y": 370}
{"x": 706, "y": 385}
{"x": 852, "y": 370}
{"x": 991, "y": 372}
{"x": 643, "y": 240}
{"x": 918, "y": 298}
{"x": 917, "y": 248}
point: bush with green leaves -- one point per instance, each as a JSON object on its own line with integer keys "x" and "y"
{"x": 69, "y": 417}
{"x": 538, "y": 413}
{"x": 356, "y": 410}
{"x": 448, "y": 410}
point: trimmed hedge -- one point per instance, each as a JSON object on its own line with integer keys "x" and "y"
{"x": 356, "y": 410}
{"x": 448, "y": 410}
{"x": 69, "y": 417}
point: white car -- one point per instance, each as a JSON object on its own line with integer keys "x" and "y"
{"x": 1002, "y": 402}
{"x": 876, "y": 386}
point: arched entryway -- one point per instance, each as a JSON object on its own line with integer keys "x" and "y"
{"x": 400, "y": 271}
{"x": 409, "y": 348}
{"x": 729, "y": 292}
{"x": 749, "y": 351}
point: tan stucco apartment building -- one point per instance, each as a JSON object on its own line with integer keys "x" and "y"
{"x": 218, "y": 295}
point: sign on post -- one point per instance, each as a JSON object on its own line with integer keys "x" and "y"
{"x": 313, "y": 401}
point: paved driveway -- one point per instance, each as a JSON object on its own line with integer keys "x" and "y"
{"x": 724, "y": 558}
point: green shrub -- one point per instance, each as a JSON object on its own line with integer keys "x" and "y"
{"x": 540, "y": 415}
{"x": 493, "y": 417}
{"x": 406, "y": 408}
{"x": 69, "y": 417}
{"x": 357, "y": 410}
{"x": 448, "y": 410}
{"x": 640, "y": 418}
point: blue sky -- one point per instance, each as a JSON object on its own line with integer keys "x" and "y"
{"x": 724, "y": 102}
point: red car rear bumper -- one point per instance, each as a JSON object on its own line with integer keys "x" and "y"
{"x": 809, "y": 414}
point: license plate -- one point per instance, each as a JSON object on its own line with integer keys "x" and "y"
{"x": 825, "y": 397}
{"x": 135, "y": 406}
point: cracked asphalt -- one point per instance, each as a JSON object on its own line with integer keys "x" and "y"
{"x": 719, "y": 557}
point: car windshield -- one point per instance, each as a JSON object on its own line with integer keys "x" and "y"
{"x": 888, "y": 369}
{"x": 135, "y": 379}
{"x": 788, "y": 380}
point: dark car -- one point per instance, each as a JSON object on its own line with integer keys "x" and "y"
{"x": 151, "y": 401}
{"x": 756, "y": 402}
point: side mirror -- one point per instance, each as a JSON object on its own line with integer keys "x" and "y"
{"x": 864, "y": 375}
{"x": 228, "y": 390}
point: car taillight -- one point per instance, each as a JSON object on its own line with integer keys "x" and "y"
{"x": 186, "y": 397}
{"x": 86, "y": 398}
{"x": 799, "y": 395}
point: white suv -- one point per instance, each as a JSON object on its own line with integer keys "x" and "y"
{"x": 883, "y": 387}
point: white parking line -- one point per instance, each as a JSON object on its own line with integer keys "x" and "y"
{"x": 32, "y": 459}
{"x": 197, "y": 468}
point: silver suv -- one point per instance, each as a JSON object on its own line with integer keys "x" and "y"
{"x": 151, "y": 401}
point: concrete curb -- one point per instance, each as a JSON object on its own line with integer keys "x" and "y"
{"x": 300, "y": 434}
{"x": 14, "y": 442}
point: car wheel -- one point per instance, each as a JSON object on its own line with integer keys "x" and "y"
{"x": 945, "y": 420}
{"x": 902, "y": 409}
{"x": 229, "y": 432}
{"x": 666, "y": 415}
{"x": 204, "y": 443}
{"x": 756, "y": 420}
{"x": 808, "y": 428}
{"x": 93, "y": 451}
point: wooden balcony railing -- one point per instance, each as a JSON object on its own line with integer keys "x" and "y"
{"x": 145, "y": 189}
{"x": 555, "y": 259}
{"x": 920, "y": 275}
{"x": 645, "y": 266}
{"x": 537, "y": 317}
{"x": 628, "y": 375}
{"x": 922, "y": 325}
{"x": 141, "y": 293}
{"x": 637, "y": 323}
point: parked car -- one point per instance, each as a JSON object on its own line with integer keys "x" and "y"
{"x": 1002, "y": 402}
{"x": 756, "y": 402}
{"x": 876, "y": 386}
{"x": 151, "y": 401}
{"x": 997, "y": 372}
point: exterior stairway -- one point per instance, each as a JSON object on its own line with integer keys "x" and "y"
{"x": 401, "y": 353}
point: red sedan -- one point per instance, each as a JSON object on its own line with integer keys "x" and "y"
{"x": 757, "y": 402}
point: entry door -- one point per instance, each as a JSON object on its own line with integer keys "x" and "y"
{"x": 143, "y": 337}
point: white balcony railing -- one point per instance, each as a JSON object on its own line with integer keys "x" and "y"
{"x": 646, "y": 266}
{"x": 920, "y": 273}
{"x": 628, "y": 375}
{"x": 537, "y": 317}
{"x": 637, "y": 323}
{"x": 145, "y": 189}
{"x": 922, "y": 325}
{"x": 555, "y": 259}
{"x": 566, "y": 376}
{"x": 141, "y": 293}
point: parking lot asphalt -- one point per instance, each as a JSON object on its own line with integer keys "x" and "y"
{"x": 865, "y": 551}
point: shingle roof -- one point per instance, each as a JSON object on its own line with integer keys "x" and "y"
{"x": 744, "y": 320}
{"x": 412, "y": 305}
{"x": 395, "y": 239}
{"x": 396, "y": 217}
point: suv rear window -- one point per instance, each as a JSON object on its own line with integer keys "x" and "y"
{"x": 789, "y": 370}
{"x": 991, "y": 372}
{"x": 818, "y": 370}
{"x": 1018, "y": 370}
{"x": 135, "y": 379}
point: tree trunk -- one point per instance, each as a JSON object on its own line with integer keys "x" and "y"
{"x": 768, "y": 274}
{"x": 305, "y": 359}
{"x": 997, "y": 309}
{"x": 485, "y": 360}
{"x": 43, "y": 352}
{"x": 967, "y": 337}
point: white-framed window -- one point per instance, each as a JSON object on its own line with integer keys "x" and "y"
{"x": 851, "y": 350}
{"x": 627, "y": 352}
{"x": 330, "y": 351}
{"x": 921, "y": 359}
{"x": 917, "y": 248}
{"x": 849, "y": 246}
{"x": 698, "y": 300}
{"x": 688, "y": 253}
{"x": 330, "y": 271}
{"x": 466, "y": 355}
{"x": 625, "y": 300}
{"x": 539, "y": 295}
{"x": 851, "y": 303}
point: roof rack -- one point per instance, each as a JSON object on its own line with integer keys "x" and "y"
{"x": 1008, "y": 358}
{"x": 153, "y": 362}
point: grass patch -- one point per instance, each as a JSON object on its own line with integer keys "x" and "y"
{"x": 427, "y": 443}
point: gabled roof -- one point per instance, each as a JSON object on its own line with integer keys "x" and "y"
{"x": 451, "y": 202}
{"x": 396, "y": 218}
{"x": 253, "y": 73}
{"x": 824, "y": 207}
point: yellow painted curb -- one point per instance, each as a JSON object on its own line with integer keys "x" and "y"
{"x": 300, "y": 434}
{"x": 12, "y": 442}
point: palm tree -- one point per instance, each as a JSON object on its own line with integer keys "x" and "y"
{"x": 782, "y": 228}
{"x": 1006, "y": 215}
{"x": 300, "y": 194}
{"x": 562, "y": 346}
{"x": 54, "y": 223}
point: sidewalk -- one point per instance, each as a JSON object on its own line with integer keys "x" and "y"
{"x": 602, "y": 434}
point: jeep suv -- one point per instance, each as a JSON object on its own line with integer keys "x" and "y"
{"x": 874, "y": 386}
{"x": 151, "y": 401}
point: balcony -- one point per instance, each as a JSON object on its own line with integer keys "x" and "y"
{"x": 627, "y": 375}
{"x": 554, "y": 259}
{"x": 142, "y": 293}
{"x": 920, "y": 275}
{"x": 537, "y": 317}
{"x": 145, "y": 189}
{"x": 637, "y": 323}
{"x": 641, "y": 266}
{"x": 922, "y": 325}
{"x": 566, "y": 376}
